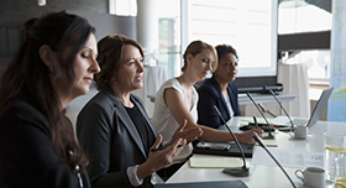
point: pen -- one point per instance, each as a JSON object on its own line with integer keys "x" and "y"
{"x": 255, "y": 121}
{"x": 163, "y": 147}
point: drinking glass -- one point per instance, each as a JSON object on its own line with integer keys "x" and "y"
{"x": 334, "y": 155}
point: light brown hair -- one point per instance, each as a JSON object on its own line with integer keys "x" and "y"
{"x": 197, "y": 47}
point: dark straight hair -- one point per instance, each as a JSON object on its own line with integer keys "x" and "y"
{"x": 28, "y": 79}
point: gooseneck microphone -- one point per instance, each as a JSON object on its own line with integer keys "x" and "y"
{"x": 259, "y": 141}
{"x": 270, "y": 135}
{"x": 234, "y": 171}
{"x": 283, "y": 109}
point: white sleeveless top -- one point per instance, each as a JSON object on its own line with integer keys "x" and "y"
{"x": 164, "y": 121}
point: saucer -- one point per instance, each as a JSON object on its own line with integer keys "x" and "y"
{"x": 298, "y": 137}
{"x": 300, "y": 184}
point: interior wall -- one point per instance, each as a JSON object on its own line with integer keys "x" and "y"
{"x": 106, "y": 24}
{"x": 14, "y": 13}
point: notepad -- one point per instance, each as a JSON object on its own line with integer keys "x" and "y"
{"x": 215, "y": 162}
{"x": 269, "y": 142}
{"x": 213, "y": 184}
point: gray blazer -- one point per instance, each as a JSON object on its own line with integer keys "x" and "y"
{"x": 111, "y": 140}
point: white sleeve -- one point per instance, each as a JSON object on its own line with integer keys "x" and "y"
{"x": 132, "y": 174}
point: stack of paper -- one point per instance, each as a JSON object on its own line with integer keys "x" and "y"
{"x": 269, "y": 142}
{"x": 215, "y": 162}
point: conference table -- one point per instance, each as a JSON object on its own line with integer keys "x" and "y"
{"x": 265, "y": 176}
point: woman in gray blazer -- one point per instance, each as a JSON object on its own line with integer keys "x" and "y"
{"x": 113, "y": 127}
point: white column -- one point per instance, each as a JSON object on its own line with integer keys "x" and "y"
{"x": 147, "y": 25}
{"x": 148, "y": 37}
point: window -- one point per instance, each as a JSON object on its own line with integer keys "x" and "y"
{"x": 170, "y": 36}
{"x": 297, "y": 16}
{"x": 318, "y": 63}
{"x": 123, "y": 7}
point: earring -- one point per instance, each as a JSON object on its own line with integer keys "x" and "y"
{"x": 114, "y": 79}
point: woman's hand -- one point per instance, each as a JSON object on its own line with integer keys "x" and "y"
{"x": 159, "y": 159}
{"x": 246, "y": 137}
{"x": 189, "y": 134}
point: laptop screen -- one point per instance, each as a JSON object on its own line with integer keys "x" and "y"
{"x": 320, "y": 106}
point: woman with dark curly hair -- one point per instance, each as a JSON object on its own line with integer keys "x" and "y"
{"x": 219, "y": 90}
{"x": 54, "y": 65}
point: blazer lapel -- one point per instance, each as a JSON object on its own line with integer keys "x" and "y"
{"x": 127, "y": 122}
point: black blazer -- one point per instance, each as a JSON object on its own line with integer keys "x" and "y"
{"x": 110, "y": 139}
{"x": 209, "y": 95}
{"x": 26, "y": 155}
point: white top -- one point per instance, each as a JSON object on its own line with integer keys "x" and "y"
{"x": 164, "y": 121}
{"x": 229, "y": 105}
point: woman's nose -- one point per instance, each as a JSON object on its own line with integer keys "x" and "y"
{"x": 95, "y": 67}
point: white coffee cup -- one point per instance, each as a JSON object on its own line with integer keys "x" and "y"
{"x": 313, "y": 177}
{"x": 301, "y": 132}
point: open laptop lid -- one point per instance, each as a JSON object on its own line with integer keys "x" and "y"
{"x": 320, "y": 106}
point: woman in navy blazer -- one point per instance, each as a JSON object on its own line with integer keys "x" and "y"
{"x": 220, "y": 90}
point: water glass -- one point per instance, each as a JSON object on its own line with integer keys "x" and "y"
{"x": 334, "y": 155}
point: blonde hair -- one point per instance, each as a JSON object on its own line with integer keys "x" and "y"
{"x": 197, "y": 47}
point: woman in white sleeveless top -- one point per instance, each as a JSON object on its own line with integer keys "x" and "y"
{"x": 177, "y": 100}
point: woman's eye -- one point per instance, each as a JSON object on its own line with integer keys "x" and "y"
{"x": 85, "y": 55}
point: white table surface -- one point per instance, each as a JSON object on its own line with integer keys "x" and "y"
{"x": 264, "y": 176}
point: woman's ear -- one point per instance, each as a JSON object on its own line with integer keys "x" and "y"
{"x": 189, "y": 58}
{"x": 48, "y": 56}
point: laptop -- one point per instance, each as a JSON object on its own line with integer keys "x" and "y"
{"x": 316, "y": 114}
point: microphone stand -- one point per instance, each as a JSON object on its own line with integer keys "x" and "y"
{"x": 270, "y": 135}
{"x": 283, "y": 109}
{"x": 259, "y": 141}
{"x": 234, "y": 171}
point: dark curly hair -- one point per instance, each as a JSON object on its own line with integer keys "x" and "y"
{"x": 225, "y": 49}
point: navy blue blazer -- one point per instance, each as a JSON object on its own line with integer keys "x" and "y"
{"x": 210, "y": 95}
